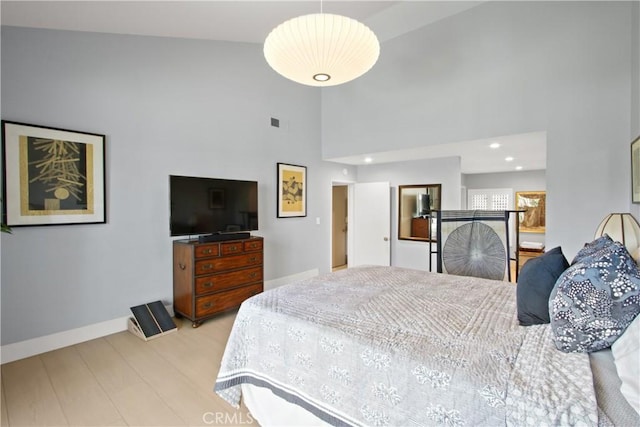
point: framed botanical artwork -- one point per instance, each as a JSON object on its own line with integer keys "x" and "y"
{"x": 292, "y": 190}
{"x": 52, "y": 176}
{"x": 534, "y": 205}
{"x": 635, "y": 170}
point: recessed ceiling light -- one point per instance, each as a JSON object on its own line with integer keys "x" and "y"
{"x": 518, "y": 168}
{"x": 368, "y": 160}
{"x": 494, "y": 145}
{"x": 508, "y": 159}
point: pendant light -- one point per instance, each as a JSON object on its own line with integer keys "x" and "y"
{"x": 321, "y": 49}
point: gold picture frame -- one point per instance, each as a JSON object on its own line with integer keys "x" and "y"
{"x": 52, "y": 176}
{"x": 292, "y": 191}
{"x": 533, "y": 204}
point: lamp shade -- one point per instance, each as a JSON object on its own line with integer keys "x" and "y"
{"x": 321, "y": 49}
{"x": 621, "y": 227}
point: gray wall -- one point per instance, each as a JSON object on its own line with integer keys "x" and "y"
{"x": 444, "y": 171}
{"x": 167, "y": 106}
{"x": 507, "y": 68}
{"x": 635, "y": 73}
{"x": 518, "y": 181}
{"x": 635, "y": 84}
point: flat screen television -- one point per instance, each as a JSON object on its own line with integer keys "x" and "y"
{"x": 212, "y": 205}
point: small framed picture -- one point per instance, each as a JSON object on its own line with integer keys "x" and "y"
{"x": 292, "y": 191}
{"x": 216, "y": 198}
{"x": 52, "y": 176}
{"x": 635, "y": 170}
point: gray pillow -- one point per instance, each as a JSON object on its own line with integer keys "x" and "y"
{"x": 595, "y": 300}
{"x": 535, "y": 282}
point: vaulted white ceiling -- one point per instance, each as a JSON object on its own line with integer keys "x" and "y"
{"x": 251, "y": 22}
{"x": 242, "y": 21}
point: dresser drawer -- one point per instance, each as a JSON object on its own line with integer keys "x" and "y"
{"x": 203, "y": 251}
{"x": 205, "y": 266}
{"x": 231, "y": 248}
{"x": 217, "y": 282}
{"x": 237, "y": 261}
{"x": 253, "y": 245}
{"x": 221, "y": 301}
{"x": 212, "y": 265}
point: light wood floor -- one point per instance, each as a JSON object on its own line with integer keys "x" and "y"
{"x": 122, "y": 380}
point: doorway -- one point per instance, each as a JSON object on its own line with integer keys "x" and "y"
{"x": 361, "y": 224}
{"x": 339, "y": 221}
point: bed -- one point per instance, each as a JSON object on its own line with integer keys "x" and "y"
{"x": 392, "y": 346}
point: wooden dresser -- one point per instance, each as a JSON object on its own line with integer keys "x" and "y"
{"x": 525, "y": 254}
{"x": 420, "y": 227}
{"x": 212, "y": 277}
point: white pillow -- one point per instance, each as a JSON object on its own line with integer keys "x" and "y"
{"x": 626, "y": 354}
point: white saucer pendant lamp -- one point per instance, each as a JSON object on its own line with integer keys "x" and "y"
{"x": 321, "y": 49}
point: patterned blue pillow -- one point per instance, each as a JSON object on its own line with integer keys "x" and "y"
{"x": 595, "y": 300}
{"x": 589, "y": 249}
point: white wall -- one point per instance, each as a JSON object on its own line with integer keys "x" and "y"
{"x": 503, "y": 68}
{"x": 405, "y": 253}
{"x": 166, "y": 106}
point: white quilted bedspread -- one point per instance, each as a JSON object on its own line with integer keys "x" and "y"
{"x": 381, "y": 346}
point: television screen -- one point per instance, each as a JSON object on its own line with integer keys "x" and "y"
{"x": 210, "y": 205}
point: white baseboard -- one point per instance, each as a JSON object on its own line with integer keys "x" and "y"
{"x": 28, "y": 348}
{"x": 34, "y": 346}
{"x": 272, "y": 284}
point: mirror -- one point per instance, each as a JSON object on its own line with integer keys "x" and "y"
{"x": 414, "y": 204}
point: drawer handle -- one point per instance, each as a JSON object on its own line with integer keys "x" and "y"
{"x": 207, "y": 284}
{"x": 253, "y": 274}
{"x": 207, "y": 251}
{"x": 234, "y": 248}
{"x": 207, "y": 267}
{"x": 253, "y": 259}
{"x": 207, "y": 305}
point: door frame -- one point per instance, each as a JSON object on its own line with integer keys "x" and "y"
{"x": 349, "y": 186}
{"x": 350, "y": 225}
{"x": 333, "y": 225}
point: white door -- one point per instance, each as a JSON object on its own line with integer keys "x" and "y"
{"x": 370, "y": 223}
